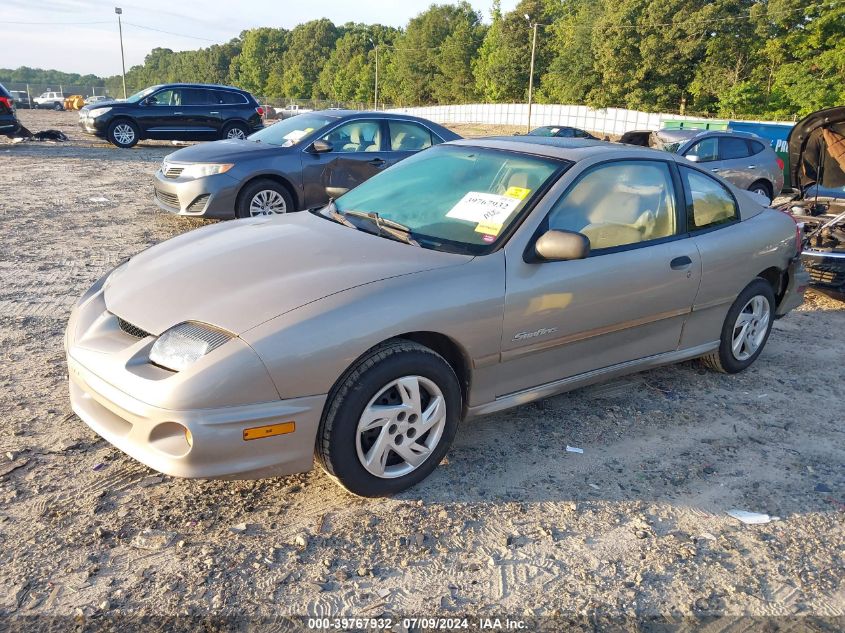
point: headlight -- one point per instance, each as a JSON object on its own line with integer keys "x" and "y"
{"x": 184, "y": 344}
{"x": 98, "y": 112}
{"x": 200, "y": 170}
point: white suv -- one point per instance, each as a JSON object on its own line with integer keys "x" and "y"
{"x": 54, "y": 100}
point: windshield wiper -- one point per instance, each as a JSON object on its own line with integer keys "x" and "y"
{"x": 330, "y": 212}
{"x": 385, "y": 227}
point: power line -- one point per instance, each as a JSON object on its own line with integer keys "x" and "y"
{"x": 51, "y": 23}
{"x": 149, "y": 28}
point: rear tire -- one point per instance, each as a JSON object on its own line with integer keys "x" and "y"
{"x": 763, "y": 188}
{"x": 389, "y": 420}
{"x": 123, "y": 133}
{"x": 58, "y": 106}
{"x": 746, "y": 329}
{"x": 263, "y": 197}
{"x": 235, "y": 131}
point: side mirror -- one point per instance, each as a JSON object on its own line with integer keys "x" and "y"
{"x": 558, "y": 246}
{"x": 336, "y": 192}
{"x": 693, "y": 158}
{"x": 321, "y": 147}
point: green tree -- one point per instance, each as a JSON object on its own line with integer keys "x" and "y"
{"x": 261, "y": 51}
{"x": 309, "y": 46}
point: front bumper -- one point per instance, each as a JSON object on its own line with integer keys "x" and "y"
{"x": 827, "y": 270}
{"x": 218, "y": 450}
{"x": 211, "y": 197}
{"x": 145, "y": 410}
{"x": 97, "y": 126}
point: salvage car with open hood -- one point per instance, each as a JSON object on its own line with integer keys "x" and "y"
{"x": 817, "y": 157}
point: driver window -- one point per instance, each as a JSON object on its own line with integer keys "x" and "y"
{"x": 620, "y": 203}
{"x": 166, "y": 98}
{"x": 705, "y": 150}
{"x": 355, "y": 136}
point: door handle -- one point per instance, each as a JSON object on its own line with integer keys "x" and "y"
{"x": 376, "y": 161}
{"x": 715, "y": 169}
{"x": 752, "y": 167}
{"x": 214, "y": 113}
{"x": 680, "y": 263}
{"x": 177, "y": 113}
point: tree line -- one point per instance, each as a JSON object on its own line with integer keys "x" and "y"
{"x": 761, "y": 58}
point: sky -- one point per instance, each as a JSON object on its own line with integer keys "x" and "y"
{"x": 59, "y": 34}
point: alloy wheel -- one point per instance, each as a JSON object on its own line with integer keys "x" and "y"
{"x": 267, "y": 202}
{"x": 400, "y": 427}
{"x": 124, "y": 134}
{"x": 236, "y": 133}
{"x": 750, "y": 328}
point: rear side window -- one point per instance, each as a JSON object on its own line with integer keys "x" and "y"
{"x": 732, "y": 148}
{"x": 756, "y": 147}
{"x": 227, "y": 97}
{"x": 408, "y": 137}
{"x": 194, "y": 96}
{"x": 709, "y": 203}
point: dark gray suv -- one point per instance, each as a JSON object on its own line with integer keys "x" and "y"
{"x": 294, "y": 164}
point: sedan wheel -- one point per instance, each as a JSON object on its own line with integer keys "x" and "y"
{"x": 124, "y": 134}
{"x": 267, "y": 202}
{"x": 400, "y": 427}
{"x": 745, "y": 330}
{"x": 751, "y": 328}
{"x": 390, "y": 419}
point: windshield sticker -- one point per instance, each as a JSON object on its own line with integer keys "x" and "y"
{"x": 488, "y": 238}
{"x": 484, "y": 208}
{"x": 295, "y": 135}
{"x": 517, "y": 192}
{"x": 488, "y": 228}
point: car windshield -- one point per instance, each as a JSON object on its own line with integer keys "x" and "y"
{"x": 544, "y": 131}
{"x": 142, "y": 94}
{"x": 291, "y": 131}
{"x": 454, "y": 198}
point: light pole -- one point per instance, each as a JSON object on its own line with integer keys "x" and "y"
{"x": 375, "y": 96}
{"x": 119, "y": 11}
{"x": 531, "y": 72}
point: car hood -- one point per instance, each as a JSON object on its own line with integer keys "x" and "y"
{"x": 800, "y": 135}
{"x": 236, "y": 275}
{"x": 229, "y": 150}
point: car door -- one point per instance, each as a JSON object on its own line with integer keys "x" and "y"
{"x": 157, "y": 115}
{"x": 406, "y": 139}
{"x": 356, "y": 154}
{"x": 735, "y": 161}
{"x": 195, "y": 116}
{"x": 626, "y": 301}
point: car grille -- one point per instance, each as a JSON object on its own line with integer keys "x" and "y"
{"x": 170, "y": 199}
{"x": 131, "y": 330}
{"x": 199, "y": 204}
{"x": 173, "y": 172}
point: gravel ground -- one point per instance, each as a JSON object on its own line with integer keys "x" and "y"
{"x": 511, "y": 523}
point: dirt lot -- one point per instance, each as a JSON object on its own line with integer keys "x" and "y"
{"x": 511, "y": 524}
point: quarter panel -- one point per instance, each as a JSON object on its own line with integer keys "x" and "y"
{"x": 731, "y": 258}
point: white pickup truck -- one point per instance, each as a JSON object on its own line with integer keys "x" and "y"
{"x": 52, "y": 100}
{"x": 291, "y": 110}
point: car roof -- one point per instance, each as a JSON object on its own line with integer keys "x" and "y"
{"x": 574, "y": 149}
{"x": 192, "y": 85}
{"x": 699, "y": 134}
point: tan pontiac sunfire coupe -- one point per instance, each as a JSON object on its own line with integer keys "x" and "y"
{"x": 475, "y": 276}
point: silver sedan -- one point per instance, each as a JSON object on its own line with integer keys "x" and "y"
{"x": 473, "y": 277}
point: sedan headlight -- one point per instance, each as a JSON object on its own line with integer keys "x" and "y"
{"x": 200, "y": 170}
{"x": 184, "y": 344}
{"x": 98, "y": 112}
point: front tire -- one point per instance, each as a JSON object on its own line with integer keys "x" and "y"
{"x": 390, "y": 419}
{"x": 58, "y": 106}
{"x": 123, "y": 133}
{"x": 746, "y": 329}
{"x": 263, "y": 197}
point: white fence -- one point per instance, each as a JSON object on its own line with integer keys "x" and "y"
{"x": 614, "y": 121}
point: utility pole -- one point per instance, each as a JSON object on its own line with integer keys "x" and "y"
{"x": 119, "y": 11}
{"x": 531, "y": 71}
{"x": 375, "y": 96}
